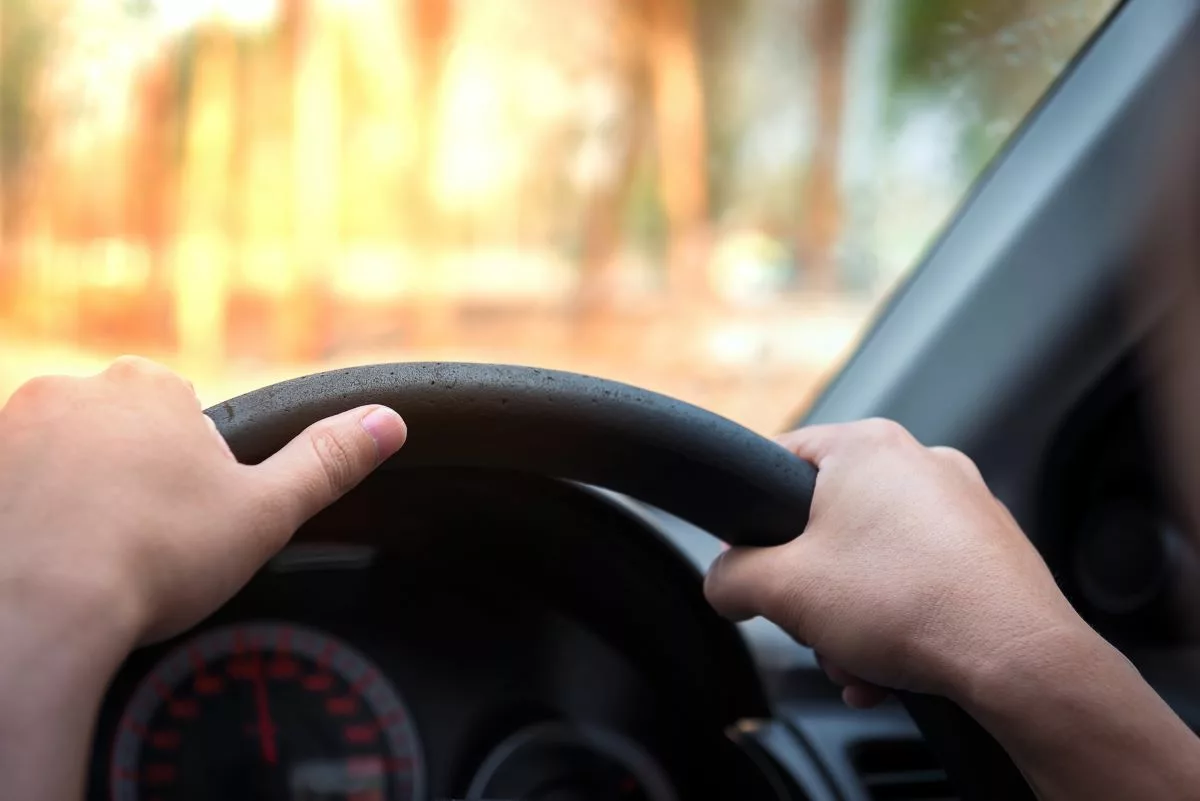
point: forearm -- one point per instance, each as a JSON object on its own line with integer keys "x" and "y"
{"x": 1081, "y": 723}
{"x": 55, "y": 665}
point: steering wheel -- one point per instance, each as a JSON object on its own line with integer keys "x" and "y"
{"x": 738, "y": 486}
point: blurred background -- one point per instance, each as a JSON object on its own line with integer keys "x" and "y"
{"x": 710, "y": 198}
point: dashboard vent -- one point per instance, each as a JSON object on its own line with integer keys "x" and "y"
{"x": 900, "y": 770}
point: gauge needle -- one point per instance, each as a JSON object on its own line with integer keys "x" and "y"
{"x": 266, "y": 728}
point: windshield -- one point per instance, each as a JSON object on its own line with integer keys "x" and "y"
{"x": 709, "y": 198}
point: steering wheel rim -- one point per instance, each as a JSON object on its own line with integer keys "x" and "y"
{"x": 740, "y": 487}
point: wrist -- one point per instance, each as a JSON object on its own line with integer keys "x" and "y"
{"x": 64, "y": 638}
{"x": 76, "y": 614}
{"x": 1013, "y": 682}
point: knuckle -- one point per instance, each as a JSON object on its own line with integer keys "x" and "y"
{"x": 336, "y": 457}
{"x": 139, "y": 370}
{"x": 885, "y": 431}
{"x": 41, "y": 389}
{"x": 129, "y": 365}
{"x": 139, "y": 367}
{"x": 958, "y": 460}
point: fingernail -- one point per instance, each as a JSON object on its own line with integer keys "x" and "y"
{"x": 387, "y": 429}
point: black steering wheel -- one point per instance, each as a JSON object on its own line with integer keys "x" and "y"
{"x": 710, "y": 471}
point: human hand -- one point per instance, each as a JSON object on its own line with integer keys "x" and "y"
{"x": 120, "y": 498}
{"x": 124, "y": 517}
{"x": 910, "y": 574}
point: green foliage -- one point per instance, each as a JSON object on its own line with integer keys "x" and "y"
{"x": 927, "y": 32}
{"x": 643, "y": 215}
{"x": 920, "y": 38}
{"x": 24, "y": 41}
{"x": 718, "y": 23}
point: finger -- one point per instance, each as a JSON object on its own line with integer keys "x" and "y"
{"x": 330, "y": 457}
{"x": 836, "y": 674}
{"x": 812, "y": 443}
{"x": 863, "y": 696}
{"x": 212, "y": 426}
{"x": 739, "y": 580}
{"x": 816, "y": 443}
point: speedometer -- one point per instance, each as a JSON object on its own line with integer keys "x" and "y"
{"x": 265, "y": 711}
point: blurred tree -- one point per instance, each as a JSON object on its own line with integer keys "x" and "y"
{"x": 430, "y": 26}
{"x": 679, "y": 125}
{"x": 201, "y": 274}
{"x": 718, "y": 25}
{"x": 828, "y": 29}
{"x": 991, "y": 59}
{"x": 605, "y": 200}
{"x": 152, "y": 161}
{"x": 659, "y": 65}
{"x": 25, "y": 34}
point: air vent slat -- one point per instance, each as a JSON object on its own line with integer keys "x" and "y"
{"x": 900, "y": 770}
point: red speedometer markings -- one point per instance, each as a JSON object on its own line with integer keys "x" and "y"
{"x": 282, "y": 667}
{"x": 364, "y": 766}
{"x": 204, "y": 683}
{"x": 162, "y": 773}
{"x": 184, "y": 708}
{"x": 326, "y": 656}
{"x": 317, "y": 682}
{"x": 360, "y": 733}
{"x": 344, "y": 697}
{"x": 341, "y": 705}
{"x": 208, "y": 684}
{"x": 166, "y": 740}
{"x": 364, "y": 681}
{"x": 242, "y": 667}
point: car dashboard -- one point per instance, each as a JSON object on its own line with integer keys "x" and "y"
{"x": 450, "y": 634}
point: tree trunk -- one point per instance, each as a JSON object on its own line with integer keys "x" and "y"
{"x": 820, "y": 225}
{"x": 430, "y": 26}
{"x": 602, "y": 208}
{"x": 152, "y": 190}
{"x": 201, "y": 273}
{"x": 679, "y": 119}
{"x": 305, "y": 317}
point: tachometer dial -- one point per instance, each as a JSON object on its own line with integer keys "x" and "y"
{"x": 265, "y": 711}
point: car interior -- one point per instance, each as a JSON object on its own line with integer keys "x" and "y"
{"x": 513, "y": 608}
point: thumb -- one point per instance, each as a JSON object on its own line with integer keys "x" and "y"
{"x": 330, "y": 457}
{"x": 740, "y": 581}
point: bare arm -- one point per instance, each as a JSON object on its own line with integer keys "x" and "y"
{"x": 125, "y": 518}
{"x": 1081, "y": 723}
{"x": 911, "y": 575}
